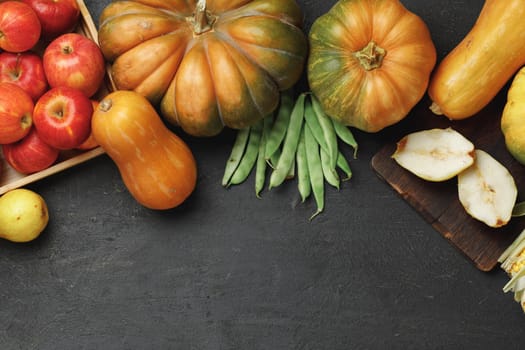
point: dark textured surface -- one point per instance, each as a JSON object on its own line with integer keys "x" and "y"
{"x": 229, "y": 271}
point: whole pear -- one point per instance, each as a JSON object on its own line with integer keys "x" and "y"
{"x": 23, "y": 215}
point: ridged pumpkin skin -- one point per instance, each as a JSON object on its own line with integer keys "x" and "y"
{"x": 513, "y": 118}
{"x": 370, "y": 62}
{"x": 473, "y": 73}
{"x": 157, "y": 167}
{"x": 225, "y": 68}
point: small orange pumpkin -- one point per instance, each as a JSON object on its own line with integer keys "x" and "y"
{"x": 157, "y": 167}
{"x": 370, "y": 62}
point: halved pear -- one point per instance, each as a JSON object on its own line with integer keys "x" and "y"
{"x": 435, "y": 154}
{"x": 487, "y": 190}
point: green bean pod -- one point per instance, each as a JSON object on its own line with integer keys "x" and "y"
{"x": 330, "y": 174}
{"x": 344, "y": 133}
{"x": 328, "y": 131}
{"x": 315, "y": 127}
{"x": 274, "y": 158}
{"x": 315, "y": 169}
{"x": 237, "y": 152}
{"x": 291, "y": 171}
{"x": 303, "y": 175}
{"x": 290, "y": 143}
{"x": 342, "y": 164}
{"x": 260, "y": 167}
{"x": 280, "y": 125}
{"x": 250, "y": 155}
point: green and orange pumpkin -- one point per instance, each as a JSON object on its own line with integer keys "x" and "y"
{"x": 205, "y": 64}
{"x": 370, "y": 62}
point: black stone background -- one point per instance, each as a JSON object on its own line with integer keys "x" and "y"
{"x": 229, "y": 271}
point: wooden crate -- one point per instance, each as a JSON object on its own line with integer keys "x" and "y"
{"x": 10, "y": 178}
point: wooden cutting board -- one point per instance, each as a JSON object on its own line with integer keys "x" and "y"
{"x": 438, "y": 203}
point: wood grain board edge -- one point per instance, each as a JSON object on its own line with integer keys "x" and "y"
{"x": 438, "y": 205}
{"x": 58, "y": 167}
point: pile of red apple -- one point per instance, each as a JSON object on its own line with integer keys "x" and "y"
{"x": 49, "y": 75}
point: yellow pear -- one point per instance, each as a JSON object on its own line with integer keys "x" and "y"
{"x": 23, "y": 215}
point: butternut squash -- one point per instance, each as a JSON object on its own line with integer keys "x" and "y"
{"x": 473, "y": 73}
{"x": 157, "y": 167}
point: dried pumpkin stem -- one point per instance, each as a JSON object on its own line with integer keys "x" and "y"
{"x": 202, "y": 20}
{"x": 105, "y": 105}
{"x": 371, "y": 56}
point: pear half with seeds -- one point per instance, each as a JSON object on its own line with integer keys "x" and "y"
{"x": 435, "y": 154}
{"x": 487, "y": 190}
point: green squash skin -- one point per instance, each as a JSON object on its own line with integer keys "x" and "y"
{"x": 327, "y": 64}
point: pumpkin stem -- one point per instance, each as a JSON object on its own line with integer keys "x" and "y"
{"x": 105, "y": 105}
{"x": 371, "y": 56}
{"x": 202, "y": 20}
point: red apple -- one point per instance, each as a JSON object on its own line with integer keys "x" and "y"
{"x": 57, "y": 17}
{"x": 16, "y": 112}
{"x": 30, "y": 154}
{"x": 62, "y": 117}
{"x": 75, "y": 61}
{"x": 25, "y": 70}
{"x": 20, "y": 27}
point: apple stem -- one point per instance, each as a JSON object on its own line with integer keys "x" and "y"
{"x": 26, "y": 121}
{"x": 67, "y": 49}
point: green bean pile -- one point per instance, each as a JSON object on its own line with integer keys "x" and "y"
{"x": 297, "y": 141}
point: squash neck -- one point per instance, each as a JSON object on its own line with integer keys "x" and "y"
{"x": 371, "y": 56}
{"x": 202, "y": 20}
